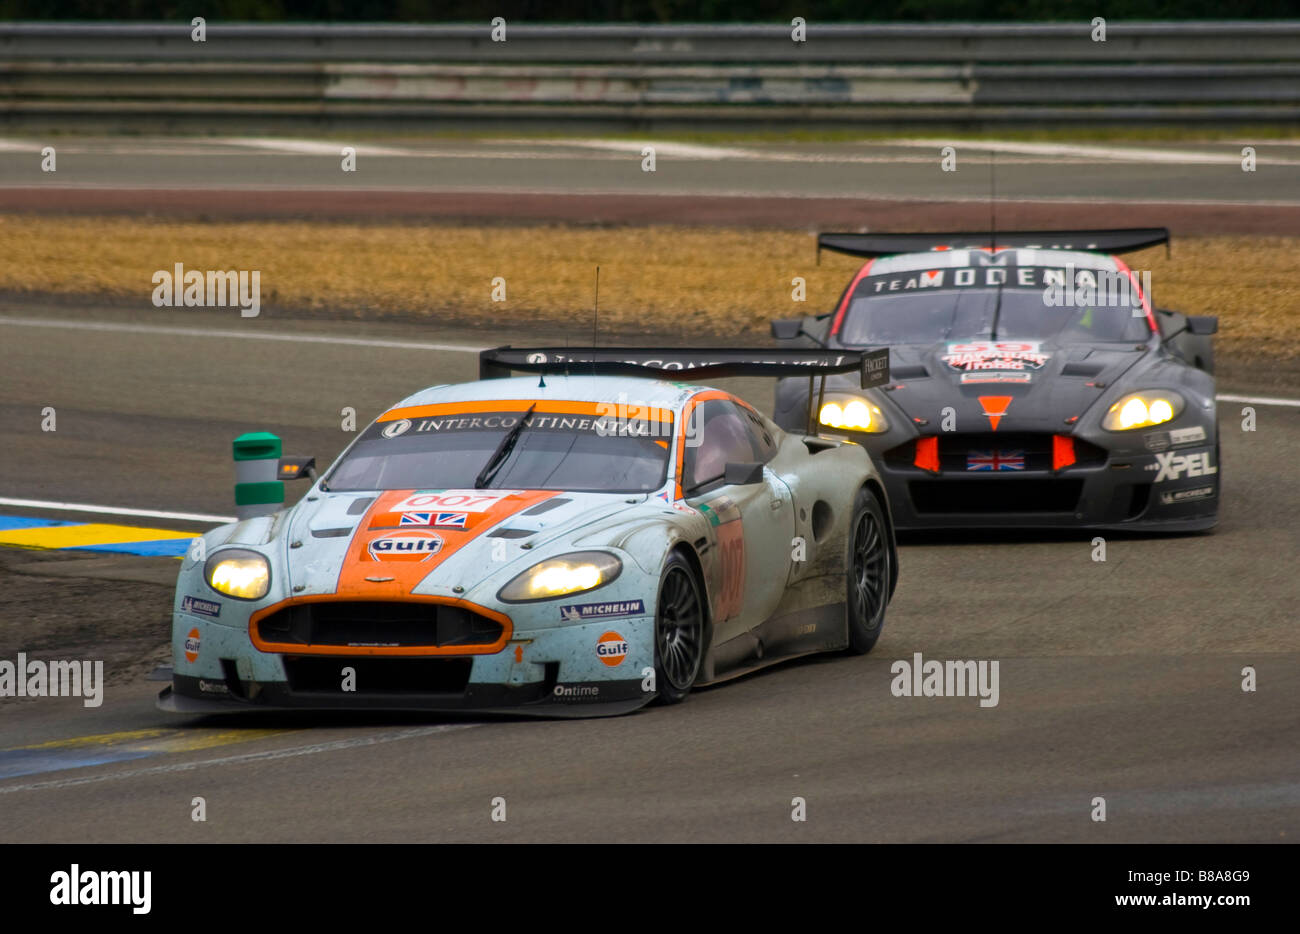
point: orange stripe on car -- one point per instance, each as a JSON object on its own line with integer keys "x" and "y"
{"x": 687, "y": 411}
{"x": 848, "y": 296}
{"x": 594, "y": 409}
{"x": 995, "y": 408}
{"x": 408, "y": 566}
{"x": 1142, "y": 296}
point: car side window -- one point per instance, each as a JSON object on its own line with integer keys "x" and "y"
{"x": 721, "y": 436}
{"x": 764, "y": 443}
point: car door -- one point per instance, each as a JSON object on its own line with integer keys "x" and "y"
{"x": 752, "y": 523}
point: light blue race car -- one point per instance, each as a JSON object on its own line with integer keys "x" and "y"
{"x": 581, "y": 541}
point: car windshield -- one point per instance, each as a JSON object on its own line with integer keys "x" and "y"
{"x": 554, "y": 451}
{"x": 876, "y": 316}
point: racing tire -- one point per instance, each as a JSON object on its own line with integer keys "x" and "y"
{"x": 1218, "y": 460}
{"x": 868, "y": 567}
{"x": 679, "y": 631}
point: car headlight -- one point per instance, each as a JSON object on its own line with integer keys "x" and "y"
{"x": 1143, "y": 410}
{"x": 238, "y": 573}
{"x": 556, "y": 577}
{"x": 852, "y": 413}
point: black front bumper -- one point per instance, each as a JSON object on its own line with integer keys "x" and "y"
{"x": 1106, "y": 497}
{"x": 545, "y": 698}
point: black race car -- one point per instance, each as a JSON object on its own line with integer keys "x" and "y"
{"x": 1033, "y": 384}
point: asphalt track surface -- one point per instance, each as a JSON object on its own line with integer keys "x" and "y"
{"x": 1118, "y": 679}
{"x": 1194, "y": 188}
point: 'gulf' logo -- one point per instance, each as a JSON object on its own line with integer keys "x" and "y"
{"x": 192, "y": 644}
{"x": 405, "y": 546}
{"x": 611, "y": 648}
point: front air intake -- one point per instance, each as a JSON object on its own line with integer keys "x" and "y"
{"x": 376, "y": 624}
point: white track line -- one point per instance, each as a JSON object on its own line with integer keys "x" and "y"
{"x": 1108, "y": 153}
{"x": 261, "y": 147}
{"x": 309, "y": 147}
{"x": 289, "y": 753}
{"x": 241, "y": 335}
{"x": 115, "y": 510}
{"x": 1258, "y": 400}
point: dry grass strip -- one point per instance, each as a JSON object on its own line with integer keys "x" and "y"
{"x": 663, "y": 280}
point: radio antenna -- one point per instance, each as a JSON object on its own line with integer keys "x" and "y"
{"x": 993, "y": 237}
{"x": 993, "y": 199}
{"x": 595, "y": 320}
{"x": 595, "y": 309}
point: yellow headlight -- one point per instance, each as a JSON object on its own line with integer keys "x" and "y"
{"x": 1133, "y": 414}
{"x": 1143, "y": 410}
{"x": 242, "y": 574}
{"x": 560, "y": 579}
{"x": 852, "y": 414}
{"x": 857, "y": 415}
{"x": 572, "y": 573}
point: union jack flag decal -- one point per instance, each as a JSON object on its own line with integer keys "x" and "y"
{"x": 995, "y": 460}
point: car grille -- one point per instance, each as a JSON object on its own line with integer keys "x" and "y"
{"x": 1034, "y": 447}
{"x": 385, "y": 624}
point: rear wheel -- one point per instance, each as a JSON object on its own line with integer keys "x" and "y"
{"x": 679, "y": 631}
{"x": 868, "y": 569}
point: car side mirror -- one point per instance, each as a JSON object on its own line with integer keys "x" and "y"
{"x": 1203, "y": 325}
{"x": 787, "y": 329}
{"x": 743, "y": 474}
{"x": 296, "y": 468}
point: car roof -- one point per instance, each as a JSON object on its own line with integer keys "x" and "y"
{"x": 558, "y": 387}
{"x": 948, "y": 259}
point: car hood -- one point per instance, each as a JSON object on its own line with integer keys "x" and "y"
{"x": 394, "y": 543}
{"x": 1017, "y": 386}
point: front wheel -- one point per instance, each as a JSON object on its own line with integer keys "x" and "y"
{"x": 868, "y": 569}
{"x": 679, "y": 631}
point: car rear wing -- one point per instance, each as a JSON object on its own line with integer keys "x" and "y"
{"x": 685, "y": 363}
{"x": 1118, "y": 240}
{"x": 872, "y": 366}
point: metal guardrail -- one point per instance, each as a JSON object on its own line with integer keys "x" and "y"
{"x": 126, "y": 74}
{"x": 836, "y": 43}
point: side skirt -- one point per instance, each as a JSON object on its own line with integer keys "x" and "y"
{"x": 791, "y": 635}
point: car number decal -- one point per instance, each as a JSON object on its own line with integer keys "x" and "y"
{"x": 731, "y": 546}
{"x": 459, "y": 500}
